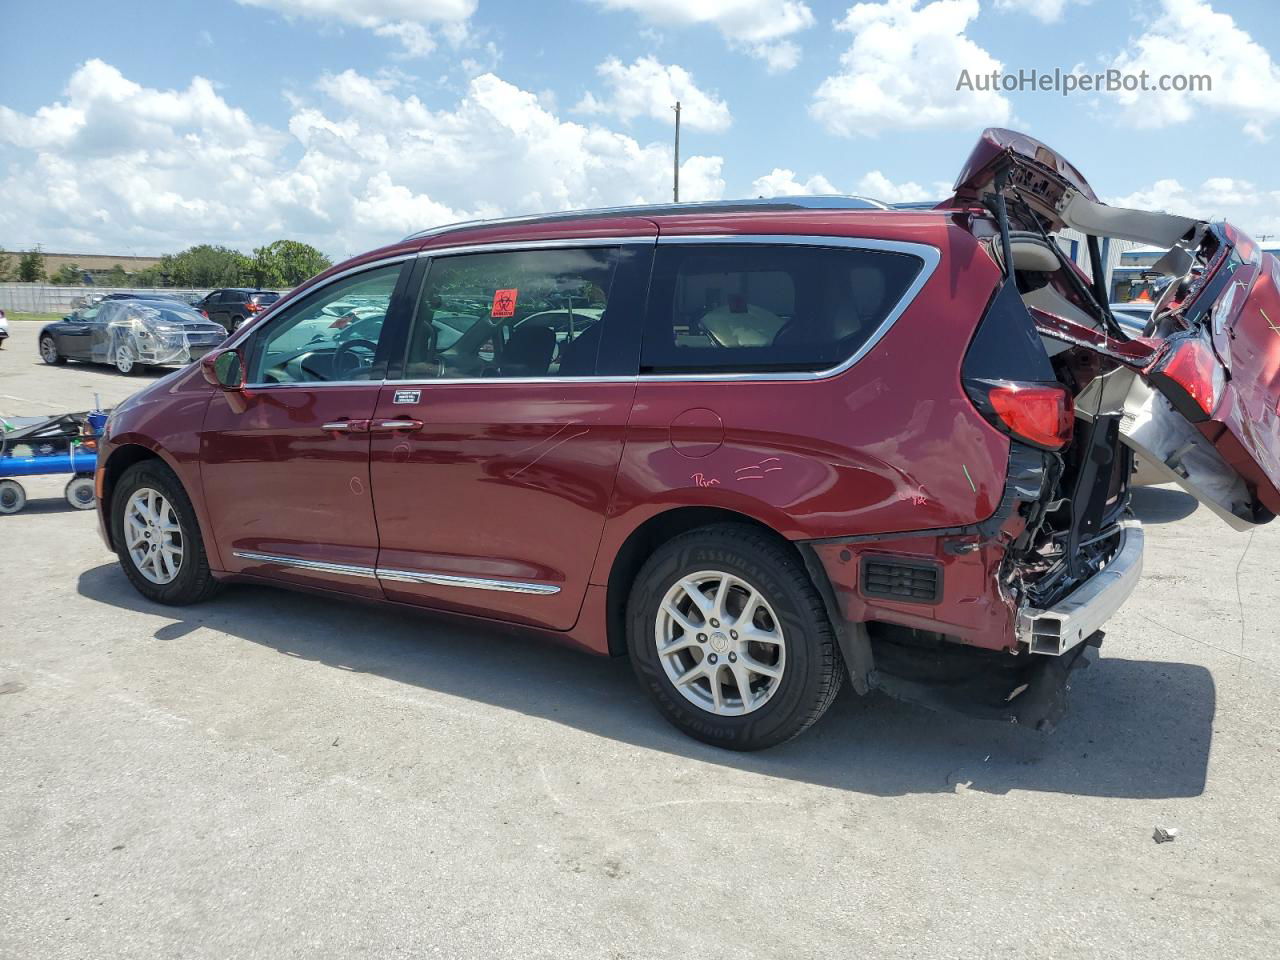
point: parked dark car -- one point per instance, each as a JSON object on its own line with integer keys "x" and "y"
{"x": 131, "y": 334}
{"x": 797, "y": 442}
{"x": 142, "y": 295}
{"x": 232, "y": 306}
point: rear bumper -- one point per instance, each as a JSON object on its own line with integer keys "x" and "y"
{"x": 1078, "y": 616}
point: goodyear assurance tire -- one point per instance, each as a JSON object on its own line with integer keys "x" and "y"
{"x": 731, "y": 640}
{"x": 157, "y": 538}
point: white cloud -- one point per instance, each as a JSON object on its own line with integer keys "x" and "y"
{"x": 1048, "y": 11}
{"x": 119, "y": 165}
{"x": 648, "y": 88}
{"x": 879, "y": 187}
{"x": 759, "y": 27}
{"x": 1250, "y": 207}
{"x": 1190, "y": 37}
{"x": 901, "y": 71}
{"x": 783, "y": 183}
{"x": 407, "y": 21}
{"x": 874, "y": 185}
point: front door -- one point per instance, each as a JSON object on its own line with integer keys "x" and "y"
{"x": 75, "y": 334}
{"x": 495, "y": 452}
{"x": 285, "y": 462}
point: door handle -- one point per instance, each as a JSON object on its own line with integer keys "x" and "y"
{"x": 399, "y": 424}
{"x": 346, "y": 426}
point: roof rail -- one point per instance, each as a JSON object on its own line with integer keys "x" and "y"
{"x": 826, "y": 202}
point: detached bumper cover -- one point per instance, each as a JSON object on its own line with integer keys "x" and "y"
{"x": 1078, "y": 616}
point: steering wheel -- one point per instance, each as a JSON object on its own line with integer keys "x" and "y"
{"x": 351, "y": 356}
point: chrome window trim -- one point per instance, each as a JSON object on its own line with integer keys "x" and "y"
{"x": 342, "y": 569}
{"x": 235, "y": 339}
{"x": 555, "y": 243}
{"x": 930, "y": 255}
{"x": 400, "y": 576}
{"x": 470, "y": 583}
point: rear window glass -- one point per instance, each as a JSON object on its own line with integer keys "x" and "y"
{"x": 760, "y": 308}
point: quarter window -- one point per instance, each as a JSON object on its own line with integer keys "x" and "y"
{"x": 528, "y": 313}
{"x": 330, "y": 335}
{"x": 727, "y": 308}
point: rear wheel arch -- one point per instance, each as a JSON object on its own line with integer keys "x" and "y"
{"x": 652, "y": 534}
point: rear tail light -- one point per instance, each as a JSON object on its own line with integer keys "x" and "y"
{"x": 1041, "y": 414}
{"x": 1191, "y": 377}
{"x": 205, "y": 314}
{"x": 251, "y": 306}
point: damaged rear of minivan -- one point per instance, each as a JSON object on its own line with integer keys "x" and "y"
{"x": 1195, "y": 397}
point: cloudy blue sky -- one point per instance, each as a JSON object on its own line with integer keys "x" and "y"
{"x": 146, "y": 127}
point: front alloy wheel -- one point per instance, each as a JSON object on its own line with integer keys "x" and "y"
{"x": 49, "y": 351}
{"x": 153, "y": 536}
{"x": 156, "y": 534}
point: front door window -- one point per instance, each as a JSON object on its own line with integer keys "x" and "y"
{"x": 331, "y": 336}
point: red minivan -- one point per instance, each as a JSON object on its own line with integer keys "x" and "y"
{"x": 754, "y": 446}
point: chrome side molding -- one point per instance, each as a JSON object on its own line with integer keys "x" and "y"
{"x": 470, "y": 583}
{"x": 342, "y": 569}
{"x": 401, "y": 576}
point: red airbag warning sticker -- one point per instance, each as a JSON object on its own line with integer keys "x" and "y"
{"x": 504, "y": 303}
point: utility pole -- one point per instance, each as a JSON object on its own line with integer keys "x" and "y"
{"x": 675, "y": 192}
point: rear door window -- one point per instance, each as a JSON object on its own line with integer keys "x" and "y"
{"x": 744, "y": 308}
{"x": 525, "y": 313}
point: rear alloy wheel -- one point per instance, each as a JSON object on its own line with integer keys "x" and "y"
{"x": 12, "y": 497}
{"x": 157, "y": 537}
{"x": 720, "y": 643}
{"x": 125, "y": 360}
{"x": 79, "y": 493}
{"x": 730, "y": 638}
{"x": 235, "y": 323}
{"x": 49, "y": 351}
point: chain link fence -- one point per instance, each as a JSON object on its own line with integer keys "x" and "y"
{"x": 51, "y": 298}
{"x": 48, "y": 298}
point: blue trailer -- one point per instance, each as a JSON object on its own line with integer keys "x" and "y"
{"x": 44, "y": 446}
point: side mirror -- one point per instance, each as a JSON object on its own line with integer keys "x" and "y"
{"x": 224, "y": 369}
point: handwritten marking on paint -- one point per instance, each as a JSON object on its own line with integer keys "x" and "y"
{"x": 544, "y": 447}
{"x": 916, "y": 496}
{"x": 700, "y": 481}
{"x": 1274, "y": 328}
{"x": 756, "y": 471}
{"x": 965, "y": 468}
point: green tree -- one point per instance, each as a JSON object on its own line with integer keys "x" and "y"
{"x": 159, "y": 275}
{"x": 115, "y": 277}
{"x": 286, "y": 263}
{"x": 6, "y": 266}
{"x": 207, "y": 265}
{"x": 31, "y": 266}
{"x": 68, "y": 275}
